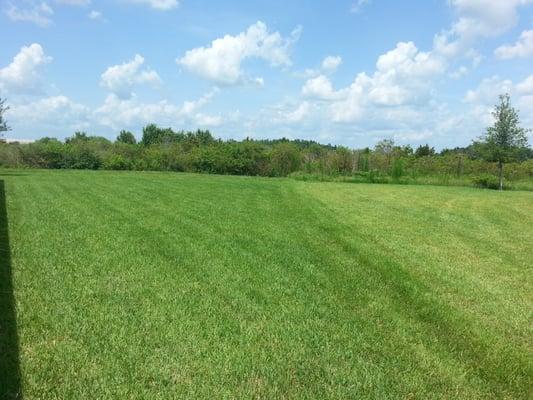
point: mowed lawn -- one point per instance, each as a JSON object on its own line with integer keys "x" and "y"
{"x": 167, "y": 286}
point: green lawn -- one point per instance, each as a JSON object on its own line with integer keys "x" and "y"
{"x": 162, "y": 286}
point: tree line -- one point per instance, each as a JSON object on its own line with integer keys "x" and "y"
{"x": 163, "y": 149}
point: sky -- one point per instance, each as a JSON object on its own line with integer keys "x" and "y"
{"x": 345, "y": 72}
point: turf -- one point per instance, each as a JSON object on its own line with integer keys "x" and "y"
{"x": 161, "y": 285}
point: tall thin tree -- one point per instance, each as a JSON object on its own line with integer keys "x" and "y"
{"x": 505, "y": 141}
{"x": 3, "y": 123}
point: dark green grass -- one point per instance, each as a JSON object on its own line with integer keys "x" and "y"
{"x": 158, "y": 286}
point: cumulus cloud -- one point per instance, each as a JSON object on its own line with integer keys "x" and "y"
{"x": 358, "y": 5}
{"x": 331, "y": 63}
{"x": 221, "y": 61}
{"x": 36, "y": 13}
{"x": 459, "y": 72}
{"x": 403, "y": 76}
{"x": 95, "y": 15}
{"x": 319, "y": 88}
{"x": 483, "y": 98}
{"x": 118, "y": 113}
{"x": 22, "y": 74}
{"x": 522, "y": 48}
{"x": 526, "y": 86}
{"x": 50, "y": 111}
{"x": 488, "y": 90}
{"x": 477, "y": 19}
{"x": 327, "y": 67}
{"x": 163, "y": 5}
{"x": 120, "y": 79}
{"x": 398, "y": 99}
{"x": 298, "y": 114}
{"x": 74, "y": 2}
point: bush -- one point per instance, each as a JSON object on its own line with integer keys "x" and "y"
{"x": 118, "y": 163}
{"x": 487, "y": 181}
{"x": 397, "y": 169}
{"x": 81, "y": 157}
{"x": 285, "y": 158}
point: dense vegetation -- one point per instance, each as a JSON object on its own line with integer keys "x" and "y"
{"x": 166, "y": 150}
{"x": 159, "y": 285}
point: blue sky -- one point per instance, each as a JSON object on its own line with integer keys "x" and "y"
{"x": 348, "y": 72}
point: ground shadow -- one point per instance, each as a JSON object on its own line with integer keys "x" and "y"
{"x": 4, "y": 173}
{"x": 10, "y": 385}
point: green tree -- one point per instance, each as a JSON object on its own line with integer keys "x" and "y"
{"x": 152, "y": 134}
{"x": 384, "y": 152}
{"x": 424, "y": 151}
{"x": 78, "y": 137}
{"x": 126, "y": 137}
{"x": 3, "y": 123}
{"x": 285, "y": 158}
{"x": 505, "y": 141}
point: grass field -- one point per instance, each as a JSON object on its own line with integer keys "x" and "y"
{"x": 161, "y": 285}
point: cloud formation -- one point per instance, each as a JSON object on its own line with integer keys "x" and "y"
{"x": 118, "y": 113}
{"x": 221, "y": 62}
{"x": 522, "y": 48}
{"x": 37, "y": 13}
{"x": 162, "y": 5}
{"x": 120, "y": 79}
{"x": 22, "y": 75}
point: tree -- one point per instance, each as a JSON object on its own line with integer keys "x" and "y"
{"x": 424, "y": 151}
{"x": 126, "y": 137}
{"x": 285, "y": 158}
{"x": 78, "y": 137}
{"x": 152, "y": 134}
{"x": 385, "y": 147}
{"x": 384, "y": 150}
{"x": 505, "y": 141}
{"x": 3, "y": 123}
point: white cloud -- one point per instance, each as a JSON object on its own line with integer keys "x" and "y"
{"x": 407, "y": 60}
{"x": 206, "y": 121}
{"x": 403, "y": 76}
{"x": 120, "y": 79}
{"x": 282, "y": 115}
{"x": 297, "y": 115}
{"x": 330, "y": 63}
{"x": 50, "y": 111}
{"x": 483, "y": 98}
{"x": 526, "y": 86}
{"x": 358, "y": 5}
{"x": 328, "y": 66}
{"x": 74, "y": 2}
{"x": 522, "y": 48}
{"x": 350, "y": 109}
{"x": 259, "y": 82}
{"x": 221, "y": 61}
{"x": 22, "y": 74}
{"x": 163, "y": 5}
{"x": 37, "y": 13}
{"x": 488, "y": 90}
{"x": 398, "y": 99}
{"x": 319, "y": 88}
{"x": 95, "y": 15}
{"x": 119, "y": 113}
{"x": 477, "y": 19}
{"x": 459, "y": 72}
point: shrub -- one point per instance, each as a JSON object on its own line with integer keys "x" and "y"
{"x": 285, "y": 158}
{"x": 397, "y": 169}
{"x": 486, "y": 181}
{"x": 118, "y": 163}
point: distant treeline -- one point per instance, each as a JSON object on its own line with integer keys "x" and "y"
{"x": 166, "y": 150}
